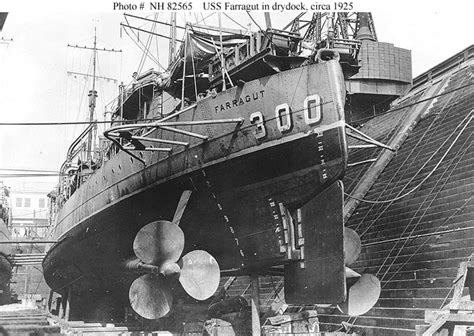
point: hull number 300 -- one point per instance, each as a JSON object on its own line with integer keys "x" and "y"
{"x": 311, "y": 111}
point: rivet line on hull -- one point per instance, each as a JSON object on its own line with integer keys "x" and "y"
{"x": 226, "y": 219}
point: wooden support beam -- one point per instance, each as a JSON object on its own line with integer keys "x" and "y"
{"x": 254, "y": 282}
{"x": 183, "y": 201}
{"x": 68, "y": 304}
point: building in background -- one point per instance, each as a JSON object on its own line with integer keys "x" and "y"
{"x": 29, "y": 208}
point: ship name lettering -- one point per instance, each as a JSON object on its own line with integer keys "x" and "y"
{"x": 238, "y": 102}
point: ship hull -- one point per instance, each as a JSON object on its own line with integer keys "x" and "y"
{"x": 230, "y": 214}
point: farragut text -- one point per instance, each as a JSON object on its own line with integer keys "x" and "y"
{"x": 243, "y": 7}
{"x": 237, "y": 102}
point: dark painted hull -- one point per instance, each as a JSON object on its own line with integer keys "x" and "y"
{"x": 235, "y": 182}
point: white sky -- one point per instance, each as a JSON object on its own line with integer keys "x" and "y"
{"x": 34, "y": 85}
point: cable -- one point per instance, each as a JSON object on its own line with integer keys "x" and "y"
{"x": 406, "y": 163}
{"x": 263, "y": 31}
{"x": 28, "y": 170}
{"x": 141, "y": 47}
{"x": 276, "y": 294}
{"x": 33, "y": 213}
{"x": 140, "y": 120}
{"x": 457, "y": 210}
{"x": 427, "y": 176}
{"x": 422, "y": 204}
{"x": 234, "y": 21}
{"x": 466, "y": 201}
{"x": 413, "y": 104}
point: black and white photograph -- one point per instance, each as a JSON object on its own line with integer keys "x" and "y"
{"x": 236, "y": 168}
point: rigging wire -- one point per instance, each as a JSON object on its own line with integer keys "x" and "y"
{"x": 466, "y": 201}
{"x": 384, "y": 140}
{"x": 41, "y": 279}
{"x": 237, "y": 23}
{"x": 407, "y": 238}
{"x": 28, "y": 170}
{"x": 460, "y": 153}
{"x": 413, "y": 104}
{"x": 426, "y": 162}
{"x": 439, "y": 227}
{"x": 147, "y": 49}
{"x": 263, "y": 31}
{"x": 32, "y": 213}
{"x": 28, "y": 175}
{"x": 78, "y": 115}
{"x": 403, "y": 164}
{"x": 140, "y": 120}
{"x": 139, "y": 44}
{"x": 203, "y": 19}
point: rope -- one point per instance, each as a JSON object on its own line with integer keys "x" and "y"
{"x": 141, "y": 47}
{"x": 276, "y": 294}
{"x": 442, "y": 178}
{"x": 466, "y": 201}
{"x": 39, "y": 282}
{"x": 263, "y": 31}
{"x": 375, "y": 152}
{"x": 427, "y": 176}
{"x": 413, "y": 104}
{"x": 140, "y": 120}
{"x": 407, "y": 238}
{"x": 412, "y": 162}
{"x": 447, "y": 296}
{"x": 147, "y": 49}
{"x": 355, "y": 318}
{"x": 234, "y": 21}
{"x": 380, "y": 214}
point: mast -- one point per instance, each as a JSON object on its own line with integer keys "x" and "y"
{"x": 221, "y": 53}
{"x": 172, "y": 49}
{"x": 92, "y": 93}
{"x": 92, "y": 98}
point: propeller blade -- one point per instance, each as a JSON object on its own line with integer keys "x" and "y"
{"x": 200, "y": 274}
{"x": 352, "y": 246}
{"x": 150, "y": 296}
{"x": 362, "y": 296}
{"x": 158, "y": 242}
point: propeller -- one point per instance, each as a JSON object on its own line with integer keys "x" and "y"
{"x": 363, "y": 290}
{"x": 159, "y": 245}
{"x": 362, "y": 295}
{"x": 150, "y": 296}
{"x": 200, "y": 274}
{"x": 352, "y": 246}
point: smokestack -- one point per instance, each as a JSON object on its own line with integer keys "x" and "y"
{"x": 364, "y": 30}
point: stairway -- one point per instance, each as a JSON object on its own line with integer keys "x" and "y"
{"x": 107, "y": 329}
{"x": 16, "y": 320}
{"x": 26, "y": 322}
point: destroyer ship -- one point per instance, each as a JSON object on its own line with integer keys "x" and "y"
{"x": 241, "y": 175}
